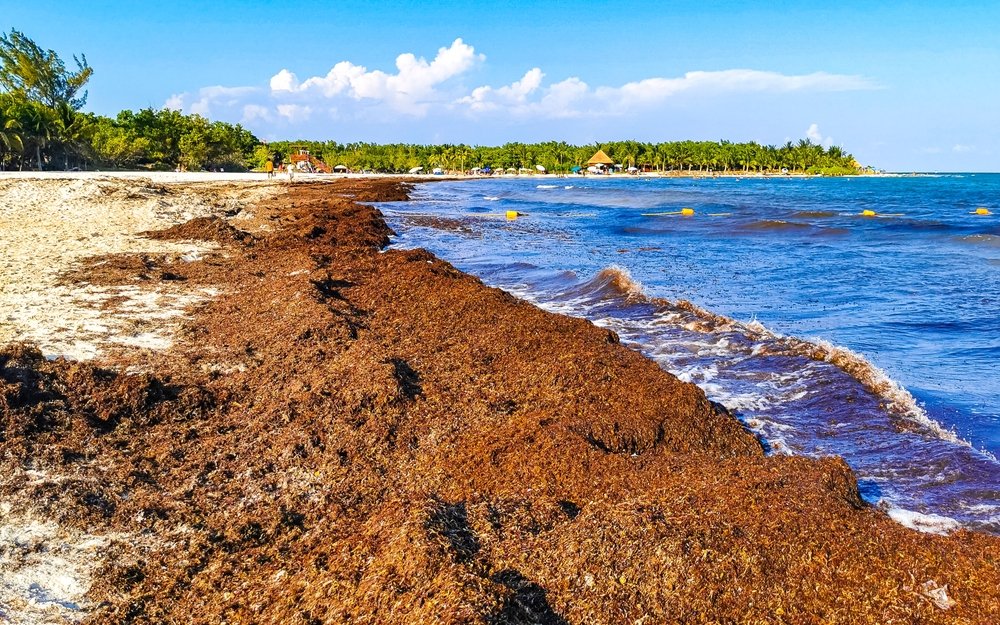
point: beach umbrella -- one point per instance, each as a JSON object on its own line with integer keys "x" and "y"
{"x": 487, "y": 170}
{"x": 576, "y": 169}
{"x": 340, "y": 168}
{"x": 633, "y": 169}
{"x": 540, "y": 168}
{"x": 415, "y": 170}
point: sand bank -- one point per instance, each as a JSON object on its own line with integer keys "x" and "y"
{"x": 347, "y": 434}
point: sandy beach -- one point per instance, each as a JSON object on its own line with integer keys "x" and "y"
{"x": 259, "y": 414}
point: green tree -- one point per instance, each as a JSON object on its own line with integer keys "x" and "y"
{"x": 10, "y": 136}
{"x": 40, "y": 75}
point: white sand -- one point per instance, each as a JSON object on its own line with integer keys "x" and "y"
{"x": 50, "y": 222}
{"x": 46, "y": 570}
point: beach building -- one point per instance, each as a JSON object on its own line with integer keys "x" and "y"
{"x": 599, "y": 161}
{"x": 302, "y": 160}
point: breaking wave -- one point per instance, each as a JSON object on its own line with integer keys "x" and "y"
{"x": 615, "y": 284}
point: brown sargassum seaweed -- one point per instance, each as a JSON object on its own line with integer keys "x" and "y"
{"x": 353, "y": 435}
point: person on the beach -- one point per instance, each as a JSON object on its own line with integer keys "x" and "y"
{"x": 291, "y": 171}
{"x": 269, "y": 168}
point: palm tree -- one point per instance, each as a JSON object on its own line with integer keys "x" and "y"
{"x": 72, "y": 130}
{"x": 10, "y": 138}
{"x": 38, "y": 125}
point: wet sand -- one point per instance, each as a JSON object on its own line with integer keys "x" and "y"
{"x": 333, "y": 432}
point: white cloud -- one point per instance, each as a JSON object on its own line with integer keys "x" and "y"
{"x": 253, "y": 112}
{"x": 573, "y": 97}
{"x": 959, "y": 148}
{"x": 175, "y": 102}
{"x": 562, "y": 98}
{"x": 655, "y": 90}
{"x": 209, "y": 97}
{"x": 284, "y": 81}
{"x": 814, "y": 135}
{"x": 516, "y": 93}
{"x": 418, "y": 87}
{"x": 410, "y": 90}
{"x": 295, "y": 112}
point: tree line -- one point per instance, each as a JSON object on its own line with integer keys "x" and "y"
{"x": 557, "y": 156}
{"x": 42, "y": 127}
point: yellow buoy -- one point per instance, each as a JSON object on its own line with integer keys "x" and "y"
{"x": 511, "y": 215}
{"x": 868, "y": 213}
{"x": 687, "y": 211}
{"x": 982, "y": 210}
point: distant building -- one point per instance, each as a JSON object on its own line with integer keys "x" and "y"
{"x": 303, "y": 161}
{"x": 600, "y": 160}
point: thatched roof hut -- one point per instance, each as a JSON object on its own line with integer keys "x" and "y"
{"x": 600, "y": 159}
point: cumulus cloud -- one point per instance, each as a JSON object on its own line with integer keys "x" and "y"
{"x": 284, "y": 81}
{"x": 960, "y": 148}
{"x": 515, "y": 94}
{"x": 418, "y": 88}
{"x": 410, "y": 90}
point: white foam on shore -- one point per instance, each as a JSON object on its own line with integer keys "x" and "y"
{"x": 927, "y": 523}
{"x": 877, "y": 380}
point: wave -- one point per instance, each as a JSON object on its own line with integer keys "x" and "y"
{"x": 547, "y": 186}
{"x": 490, "y": 198}
{"x": 617, "y": 283}
{"x": 610, "y": 283}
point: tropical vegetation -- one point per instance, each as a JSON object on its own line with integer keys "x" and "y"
{"x": 557, "y": 156}
{"x": 42, "y": 126}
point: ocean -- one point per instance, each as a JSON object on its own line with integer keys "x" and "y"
{"x": 827, "y": 332}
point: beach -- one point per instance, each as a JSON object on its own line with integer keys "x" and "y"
{"x": 228, "y": 401}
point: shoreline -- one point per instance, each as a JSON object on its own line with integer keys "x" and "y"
{"x": 206, "y": 176}
{"x": 369, "y": 434}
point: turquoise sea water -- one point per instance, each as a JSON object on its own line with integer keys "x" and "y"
{"x": 827, "y": 332}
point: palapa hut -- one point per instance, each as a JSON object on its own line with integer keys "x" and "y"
{"x": 600, "y": 160}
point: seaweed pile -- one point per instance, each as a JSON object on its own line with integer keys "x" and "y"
{"x": 349, "y": 434}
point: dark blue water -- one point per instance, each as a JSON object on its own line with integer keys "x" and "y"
{"x": 828, "y": 332}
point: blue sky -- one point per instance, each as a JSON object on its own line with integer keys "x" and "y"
{"x": 902, "y": 85}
